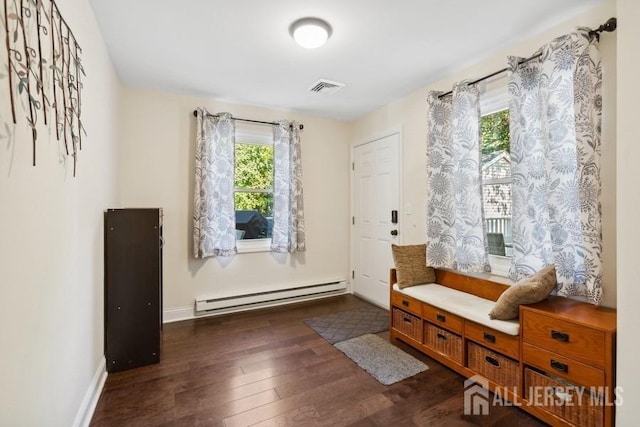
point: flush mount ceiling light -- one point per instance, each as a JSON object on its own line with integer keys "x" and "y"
{"x": 310, "y": 32}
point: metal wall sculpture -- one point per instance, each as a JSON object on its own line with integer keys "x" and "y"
{"x": 43, "y": 71}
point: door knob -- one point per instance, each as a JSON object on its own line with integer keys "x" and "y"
{"x": 394, "y": 232}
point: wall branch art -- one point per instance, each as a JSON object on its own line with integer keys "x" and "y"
{"x": 43, "y": 71}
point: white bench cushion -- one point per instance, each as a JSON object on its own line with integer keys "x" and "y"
{"x": 462, "y": 304}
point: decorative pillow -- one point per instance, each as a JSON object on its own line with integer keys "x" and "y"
{"x": 411, "y": 265}
{"x": 529, "y": 290}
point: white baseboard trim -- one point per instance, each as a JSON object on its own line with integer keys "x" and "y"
{"x": 88, "y": 406}
{"x": 177, "y": 314}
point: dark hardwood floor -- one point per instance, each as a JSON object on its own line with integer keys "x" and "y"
{"x": 268, "y": 368}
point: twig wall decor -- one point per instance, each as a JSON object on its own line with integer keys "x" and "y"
{"x": 44, "y": 71}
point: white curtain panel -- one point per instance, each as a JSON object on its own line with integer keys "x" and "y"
{"x": 456, "y": 235}
{"x": 288, "y": 209}
{"x": 555, "y": 114}
{"x": 214, "y": 218}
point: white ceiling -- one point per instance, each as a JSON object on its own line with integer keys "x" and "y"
{"x": 241, "y": 51}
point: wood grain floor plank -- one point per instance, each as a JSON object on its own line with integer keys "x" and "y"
{"x": 220, "y": 409}
{"x": 294, "y": 359}
{"x": 187, "y": 421}
{"x": 339, "y": 388}
{"x": 346, "y": 412}
{"x": 303, "y": 416}
{"x": 315, "y": 378}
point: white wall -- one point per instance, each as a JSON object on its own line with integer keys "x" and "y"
{"x": 628, "y": 208}
{"x": 51, "y": 264}
{"x": 157, "y": 168}
{"x": 410, "y": 112}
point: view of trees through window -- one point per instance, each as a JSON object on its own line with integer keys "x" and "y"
{"x": 254, "y": 190}
{"x": 496, "y": 181}
{"x": 495, "y": 132}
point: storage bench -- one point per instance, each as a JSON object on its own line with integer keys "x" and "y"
{"x": 559, "y": 346}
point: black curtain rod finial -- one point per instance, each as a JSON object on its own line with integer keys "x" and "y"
{"x": 609, "y": 26}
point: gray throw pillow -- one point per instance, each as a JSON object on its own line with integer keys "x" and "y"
{"x": 411, "y": 265}
{"x": 529, "y": 290}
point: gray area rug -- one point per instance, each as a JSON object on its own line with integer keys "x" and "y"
{"x": 352, "y": 323}
{"x": 382, "y": 360}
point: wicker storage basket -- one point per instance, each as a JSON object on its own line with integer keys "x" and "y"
{"x": 569, "y": 401}
{"x": 443, "y": 341}
{"x": 491, "y": 365}
{"x": 408, "y": 324}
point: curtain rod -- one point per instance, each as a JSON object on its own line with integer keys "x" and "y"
{"x": 195, "y": 114}
{"x": 608, "y": 26}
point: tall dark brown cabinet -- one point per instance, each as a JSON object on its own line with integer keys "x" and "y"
{"x": 132, "y": 287}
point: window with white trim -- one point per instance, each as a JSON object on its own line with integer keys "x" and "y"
{"x": 496, "y": 178}
{"x": 253, "y": 181}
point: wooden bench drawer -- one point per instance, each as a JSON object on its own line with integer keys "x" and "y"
{"x": 442, "y": 318}
{"x": 444, "y": 342}
{"x": 494, "y": 366}
{"x": 581, "y": 343}
{"x": 573, "y": 403}
{"x": 563, "y": 367}
{"x": 496, "y": 340}
{"x": 406, "y": 303}
{"x": 407, "y": 324}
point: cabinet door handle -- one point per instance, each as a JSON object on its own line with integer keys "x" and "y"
{"x": 492, "y": 361}
{"x": 560, "y": 336}
{"x": 441, "y": 317}
{"x": 405, "y": 303}
{"x": 442, "y": 337}
{"x": 559, "y": 366}
{"x": 488, "y": 337}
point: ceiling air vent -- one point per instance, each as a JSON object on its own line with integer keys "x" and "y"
{"x": 325, "y": 86}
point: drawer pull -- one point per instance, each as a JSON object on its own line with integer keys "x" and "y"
{"x": 405, "y": 303}
{"x": 441, "y": 317}
{"x": 442, "y": 337}
{"x": 560, "y": 336}
{"x": 488, "y": 337}
{"x": 559, "y": 366}
{"x": 406, "y": 319}
{"x": 492, "y": 361}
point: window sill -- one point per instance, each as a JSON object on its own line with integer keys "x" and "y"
{"x": 496, "y": 275}
{"x": 253, "y": 245}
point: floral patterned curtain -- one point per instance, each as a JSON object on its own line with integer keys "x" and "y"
{"x": 214, "y": 218}
{"x": 555, "y": 111}
{"x": 288, "y": 210}
{"x": 456, "y": 235}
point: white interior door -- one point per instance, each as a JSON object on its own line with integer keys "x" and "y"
{"x": 376, "y": 193}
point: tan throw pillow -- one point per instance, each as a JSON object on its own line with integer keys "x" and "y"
{"x": 529, "y": 290}
{"x": 411, "y": 265}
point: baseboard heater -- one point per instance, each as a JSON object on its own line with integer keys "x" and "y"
{"x": 262, "y": 299}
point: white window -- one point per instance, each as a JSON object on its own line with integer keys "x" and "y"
{"x": 496, "y": 178}
{"x": 253, "y": 180}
